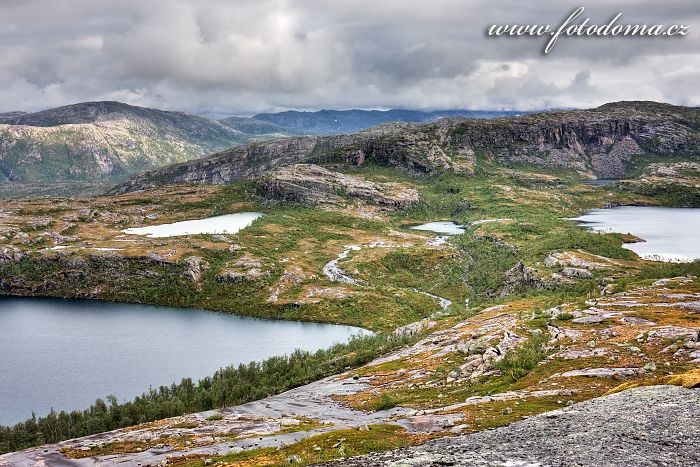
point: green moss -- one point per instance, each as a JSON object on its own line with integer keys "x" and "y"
{"x": 520, "y": 361}
{"x": 325, "y": 447}
{"x": 386, "y": 401}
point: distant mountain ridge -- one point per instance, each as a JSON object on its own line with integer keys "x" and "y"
{"x": 108, "y": 141}
{"x": 605, "y": 142}
{"x": 253, "y": 126}
{"x": 104, "y": 140}
{"x": 332, "y": 122}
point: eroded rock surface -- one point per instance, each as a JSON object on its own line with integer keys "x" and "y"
{"x": 310, "y": 184}
{"x": 658, "y": 425}
{"x": 10, "y": 254}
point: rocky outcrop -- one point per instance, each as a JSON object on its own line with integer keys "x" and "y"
{"x": 577, "y": 259}
{"x": 10, "y": 254}
{"x": 604, "y": 141}
{"x": 193, "y": 268}
{"x": 658, "y": 425}
{"x": 520, "y": 276}
{"x": 239, "y": 163}
{"x": 482, "y": 354}
{"x": 310, "y": 185}
{"x": 576, "y": 273}
{"x": 414, "y": 329}
{"x": 245, "y": 269}
{"x": 679, "y": 181}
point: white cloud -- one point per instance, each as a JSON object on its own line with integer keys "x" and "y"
{"x": 232, "y": 56}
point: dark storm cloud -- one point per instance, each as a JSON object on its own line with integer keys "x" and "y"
{"x": 231, "y": 56}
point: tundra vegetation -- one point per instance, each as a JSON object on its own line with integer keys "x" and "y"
{"x": 523, "y": 289}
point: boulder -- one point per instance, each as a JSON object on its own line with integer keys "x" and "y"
{"x": 11, "y": 254}
{"x": 595, "y": 319}
{"x": 227, "y": 275}
{"x": 159, "y": 260}
{"x": 472, "y": 346}
{"x": 414, "y": 329}
{"x": 577, "y": 273}
{"x": 193, "y": 268}
{"x": 247, "y": 268}
{"x": 519, "y": 276}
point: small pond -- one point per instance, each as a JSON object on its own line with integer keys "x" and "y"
{"x": 442, "y": 227}
{"x": 226, "y": 224}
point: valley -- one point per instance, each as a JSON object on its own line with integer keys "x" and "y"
{"x": 513, "y": 311}
{"x": 84, "y": 149}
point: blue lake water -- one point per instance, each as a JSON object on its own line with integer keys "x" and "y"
{"x": 66, "y": 353}
{"x": 442, "y": 227}
{"x": 669, "y": 234}
{"x": 226, "y": 224}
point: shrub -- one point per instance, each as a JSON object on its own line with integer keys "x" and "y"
{"x": 518, "y": 362}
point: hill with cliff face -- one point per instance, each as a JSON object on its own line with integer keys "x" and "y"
{"x": 103, "y": 140}
{"x": 607, "y": 142}
{"x": 82, "y": 148}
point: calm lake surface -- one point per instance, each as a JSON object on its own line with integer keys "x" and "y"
{"x": 66, "y": 353}
{"x": 670, "y": 234}
{"x": 600, "y": 182}
{"x": 443, "y": 227}
{"x": 226, "y": 224}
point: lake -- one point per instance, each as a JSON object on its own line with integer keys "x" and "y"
{"x": 226, "y": 224}
{"x": 442, "y": 227}
{"x": 66, "y": 353}
{"x": 600, "y": 182}
{"x": 670, "y": 234}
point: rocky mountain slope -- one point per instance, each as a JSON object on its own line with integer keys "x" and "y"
{"x": 526, "y": 312}
{"x": 253, "y": 126}
{"x": 605, "y": 142}
{"x": 332, "y": 122}
{"x": 103, "y": 140}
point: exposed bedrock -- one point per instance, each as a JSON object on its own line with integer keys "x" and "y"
{"x": 657, "y": 425}
{"x": 604, "y": 141}
{"x": 310, "y": 184}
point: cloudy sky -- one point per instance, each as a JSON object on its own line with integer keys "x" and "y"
{"x": 246, "y": 56}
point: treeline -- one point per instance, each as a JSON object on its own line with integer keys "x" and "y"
{"x": 229, "y": 386}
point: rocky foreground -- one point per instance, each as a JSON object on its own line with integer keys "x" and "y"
{"x": 658, "y": 425}
{"x": 458, "y": 379}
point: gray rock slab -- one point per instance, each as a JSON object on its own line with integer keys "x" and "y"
{"x": 657, "y": 425}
